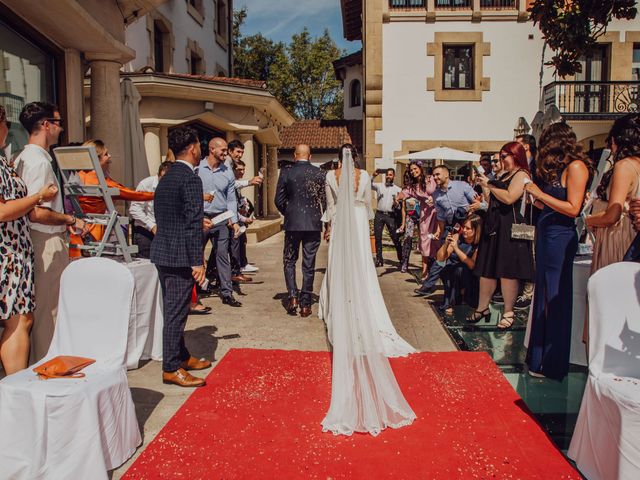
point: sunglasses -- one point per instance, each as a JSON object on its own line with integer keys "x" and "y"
{"x": 495, "y": 161}
{"x": 54, "y": 120}
{"x": 504, "y": 155}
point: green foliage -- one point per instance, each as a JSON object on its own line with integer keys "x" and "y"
{"x": 572, "y": 27}
{"x": 300, "y": 75}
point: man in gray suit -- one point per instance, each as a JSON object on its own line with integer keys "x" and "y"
{"x": 300, "y": 197}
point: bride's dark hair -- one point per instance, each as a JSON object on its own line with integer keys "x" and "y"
{"x": 354, "y": 154}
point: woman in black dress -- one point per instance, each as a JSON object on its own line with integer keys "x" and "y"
{"x": 563, "y": 172}
{"x": 16, "y": 260}
{"x": 499, "y": 255}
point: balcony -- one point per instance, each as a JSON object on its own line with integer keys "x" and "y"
{"x": 452, "y": 5}
{"x": 593, "y": 100}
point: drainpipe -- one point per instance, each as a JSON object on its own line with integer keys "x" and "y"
{"x": 230, "y": 36}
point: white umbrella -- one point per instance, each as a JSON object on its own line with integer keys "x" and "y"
{"x": 441, "y": 153}
{"x": 136, "y": 166}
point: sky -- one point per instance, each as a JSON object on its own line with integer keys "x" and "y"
{"x": 279, "y": 19}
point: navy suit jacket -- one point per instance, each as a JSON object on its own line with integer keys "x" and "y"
{"x": 179, "y": 213}
{"x": 301, "y": 197}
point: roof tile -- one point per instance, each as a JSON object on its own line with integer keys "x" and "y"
{"x": 322, "y": 134}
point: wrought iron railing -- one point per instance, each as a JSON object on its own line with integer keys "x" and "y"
{"x": 598, "y": 99}
{"x": 453, "y": 4}
{"x": 498, "y": 4}
{"x": 12, "y": 104}
{"x": 407, "y": 4}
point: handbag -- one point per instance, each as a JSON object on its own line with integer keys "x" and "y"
{"x": 523, "y": 231}
{"x": 63, "y": 366}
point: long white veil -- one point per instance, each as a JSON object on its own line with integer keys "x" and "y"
{"x": 365, "y": 396}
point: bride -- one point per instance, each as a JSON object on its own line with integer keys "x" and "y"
{"x": 365, "y": 396}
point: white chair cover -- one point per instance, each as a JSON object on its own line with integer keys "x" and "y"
{"x": 76, "y": 428}
{"x": 606, "y": 441}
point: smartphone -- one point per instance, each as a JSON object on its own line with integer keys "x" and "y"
{"x": 456, "y": 228}
{"x": 381, "y": 171}
{"x": 479, "y": 170}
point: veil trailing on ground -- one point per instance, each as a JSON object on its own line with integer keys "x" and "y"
{"x": 365, "y": 396}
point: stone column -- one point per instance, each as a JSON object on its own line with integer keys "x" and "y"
{"x": 106, "y": 110}
{"x": 164, "y": 142}
{"x": 272, "y": 178}
{"x": 152, "y": 146}
{"x": 74, "y": 86}
{"x": 249, "y": 159}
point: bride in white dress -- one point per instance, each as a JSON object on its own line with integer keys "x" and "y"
{"x": 365, "y": 396}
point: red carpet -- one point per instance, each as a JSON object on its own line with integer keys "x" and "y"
{"x": 259, "y": 417}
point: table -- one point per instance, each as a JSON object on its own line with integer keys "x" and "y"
{"x": 581, "y": 273}
{"x": 145, "y": 324}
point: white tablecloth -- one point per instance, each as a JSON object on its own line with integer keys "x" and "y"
{"x": 578, "y": 352}
{"x": 581, "y": 270}
{"x": 145, "y": 325}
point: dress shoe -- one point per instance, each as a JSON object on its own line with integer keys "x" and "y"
{"x": 194, "y": 364}
{"x": 305, "y": 311}
{"x": 241, "y": 279}
{"x": 182, "y": 378}
{"x": 379, "y": 263}
{"x": 292, "y": 306}
{"x": 232, "y": 302}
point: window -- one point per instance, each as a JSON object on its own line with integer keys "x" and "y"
{"x": 221, "y": 21}
{"x": 27, "y": 74}
{"x": 635, "y": 65}
{"x": 355, "y": 94}
{"x": 158, "y": 48}
{"x": 195, "y": 64}
{"x": 457, "y": 72}
{"x": 196, "y": 10}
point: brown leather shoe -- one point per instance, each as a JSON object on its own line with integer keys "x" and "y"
{"x": 182, "y": 378}
{"x": 305, "y": 311}
{"x": 292, "y": 306}
{"x": 241, "y": 279}
{"x": 194, "y": 364}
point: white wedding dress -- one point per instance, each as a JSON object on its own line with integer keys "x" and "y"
{"x": 365, "y": 396}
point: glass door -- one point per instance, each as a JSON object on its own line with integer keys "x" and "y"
{"x": 591, "y": 97}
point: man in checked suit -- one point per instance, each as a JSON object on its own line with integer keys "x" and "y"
{"x": 177, "y": 253}
{"x": 300, "y": 197}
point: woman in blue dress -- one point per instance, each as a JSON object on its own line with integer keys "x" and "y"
{"x": 563, "y": 173}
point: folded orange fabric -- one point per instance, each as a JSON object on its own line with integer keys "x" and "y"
{"x": 63, "y": 366}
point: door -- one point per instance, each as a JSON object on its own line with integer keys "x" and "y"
{"x": 591, "y": 97}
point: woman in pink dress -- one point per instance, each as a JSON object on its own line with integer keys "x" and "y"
{"x": 420, "y": 186}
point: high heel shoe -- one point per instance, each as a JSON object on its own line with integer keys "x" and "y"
{"x": 506, "y": 321}
{"x": 477, "y": 316}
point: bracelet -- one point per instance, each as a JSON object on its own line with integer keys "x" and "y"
{"x": 40, "y": 199}
{"x": 72, "y": 223}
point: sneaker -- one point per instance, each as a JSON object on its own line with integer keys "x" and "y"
{"x": 424, "y": 292}
{"x": 248, "y": 268}
{"x": 522, "y": 303}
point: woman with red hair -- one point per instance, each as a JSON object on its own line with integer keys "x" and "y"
{"x": 499, "y": 255}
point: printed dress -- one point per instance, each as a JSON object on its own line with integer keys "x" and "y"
{"x": 16, "y": 251}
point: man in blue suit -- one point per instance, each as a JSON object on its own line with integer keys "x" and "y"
{"x": 177, "y": 252}
{"x": 300, "y": 197}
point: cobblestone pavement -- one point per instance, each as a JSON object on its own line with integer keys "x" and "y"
{"x": 263, "y": 323}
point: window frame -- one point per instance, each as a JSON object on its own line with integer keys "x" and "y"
{"x": 458, "y": 47}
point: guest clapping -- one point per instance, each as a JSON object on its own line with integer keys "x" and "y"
{"x": 499, "y": 255}
{"x": 610, "y": 220}
{"x": 16, "y": 264}
{"x": 563, "y": 171}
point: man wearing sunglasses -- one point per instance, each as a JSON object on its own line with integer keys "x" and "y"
{"x": 48, "y": 222}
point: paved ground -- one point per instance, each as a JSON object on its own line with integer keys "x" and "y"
{"x": 263, "y": 323}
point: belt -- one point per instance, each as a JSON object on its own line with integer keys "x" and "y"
{"x": 387, "y": 213}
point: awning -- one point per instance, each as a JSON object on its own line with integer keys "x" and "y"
{"x": 440, "y": 153}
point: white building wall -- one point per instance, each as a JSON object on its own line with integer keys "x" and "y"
{"x": 185, "y": 28}
{"x": 352, "y": 73}
{"x": 410, "y": 111}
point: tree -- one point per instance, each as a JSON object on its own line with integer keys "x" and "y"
{"x": 300, "y": 75}
{"x": 571, "y": 28}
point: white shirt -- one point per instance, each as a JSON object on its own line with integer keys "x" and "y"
{"x": 34, "y": 166}
{"x": 385, "y": 194}
{"x": 193, "y": 169}
{"x": 142, "y": 212}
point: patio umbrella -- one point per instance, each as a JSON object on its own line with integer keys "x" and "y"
{"x": 135, "y": 166}
{"x": 440, "y": 153}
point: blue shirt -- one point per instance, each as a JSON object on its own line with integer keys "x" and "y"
{"x": 452, "y": 203}
{"x": 222, "y": 182}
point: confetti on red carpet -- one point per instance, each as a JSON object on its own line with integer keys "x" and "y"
{"x": 259, "y": 417}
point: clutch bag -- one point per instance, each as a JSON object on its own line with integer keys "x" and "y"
{"x": 63, "y": 366}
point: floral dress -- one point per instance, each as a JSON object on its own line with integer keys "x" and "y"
{"x": 16, "y": 251}
{"x": 428, "y": 246}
